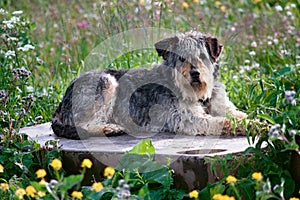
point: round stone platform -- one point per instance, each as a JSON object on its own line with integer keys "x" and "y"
{"x": 186, "y": 152}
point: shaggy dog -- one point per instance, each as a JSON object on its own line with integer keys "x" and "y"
{"x": 182, "y": 95}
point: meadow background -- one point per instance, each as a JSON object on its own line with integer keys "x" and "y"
{"x": 260, "y": 65}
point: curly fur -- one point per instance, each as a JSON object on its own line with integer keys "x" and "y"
{"x": 181, "y": 95}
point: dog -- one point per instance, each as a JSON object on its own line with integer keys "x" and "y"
{"x": 182, "y": 95}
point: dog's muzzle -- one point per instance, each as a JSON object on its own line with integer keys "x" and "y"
{"x": 195, "y": 76}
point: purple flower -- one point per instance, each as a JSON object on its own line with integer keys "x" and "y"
{"x": 83, "y": 24}
{"x": 290, "y": 97}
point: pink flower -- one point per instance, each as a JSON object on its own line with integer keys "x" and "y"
{"x": 83, "y": 24}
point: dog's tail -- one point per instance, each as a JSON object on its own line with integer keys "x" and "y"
{"x": 63, "y": 122}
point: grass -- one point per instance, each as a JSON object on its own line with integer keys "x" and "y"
{"x": 63, "y": 43}
{"x": 260, "y": 61}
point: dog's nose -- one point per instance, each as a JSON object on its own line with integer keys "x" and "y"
{"x": 194, "y": 74}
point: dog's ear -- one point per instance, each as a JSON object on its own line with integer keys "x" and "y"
{"x": 214, "y": 47}
{"x": 163, "y": 46}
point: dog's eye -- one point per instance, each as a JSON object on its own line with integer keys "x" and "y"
{"x": 182, "y": 59}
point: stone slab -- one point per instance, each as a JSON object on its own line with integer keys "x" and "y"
{"x": 187, "y": 152}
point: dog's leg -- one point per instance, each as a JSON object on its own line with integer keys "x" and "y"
{"x": 86, "y": 109}
{"x": 220, "y": 100}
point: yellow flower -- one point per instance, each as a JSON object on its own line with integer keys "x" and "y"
{"x": 109, "y": 172}
{"x": 30, "y": 190}
{"x": 142, "y": 2}
{"x": 97, "y": 186}
{"x": 223, "y": 8}
{"x": 256, "y": 1}
{"x": 218, "y": 4}
{"x": 222, "y": 197}
{"x": 77, "y": 195}
{"x": 56, "y": 164}
{"x": 1, "y": 168}
{"x": 196, "y": 1}
{"x": 86, "y": 163}
{"x": 185, "y": 5}
{"x": 4, "y": 186}
{"x": 230, "y": 179}
{"x": 20, "y": 192}
{"x": 41, "y": 194}
{"x": 41, "y": 173}
{"x": 194, "y": 194}
{"x": 294, "y": 198}
{"x": 257, "y": 176}
{"x": 43, "y": 182}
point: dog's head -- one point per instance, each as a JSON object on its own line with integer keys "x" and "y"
{"x": 194, "y": 56}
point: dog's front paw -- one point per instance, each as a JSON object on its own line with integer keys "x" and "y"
{"x": 238, "y": 114}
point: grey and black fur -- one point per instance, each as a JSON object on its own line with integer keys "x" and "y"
{"x": 182, "y": 95}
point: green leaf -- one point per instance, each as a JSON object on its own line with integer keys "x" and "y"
{"x": 144, "y": 147}
{"x": 266, "y": 117}
{"x": 71, "y": 181}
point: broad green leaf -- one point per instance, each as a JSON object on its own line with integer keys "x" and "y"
{"x": 71, "y": 181}
{"x": 144, "y": 147}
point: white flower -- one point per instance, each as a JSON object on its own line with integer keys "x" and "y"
{"x": 254, "y": 44}
{"x": 27, "y": 47}
{"x": 9, "y": 54}
{"x": 252, "y": 53}
{"x": 2, "y": 11}
{"x": 8, "y": 24}
{"x": 12, "y": 39}
{"x": 247, "y": 61}
{"x": 293, "y": 5}
{"x": 278, "y": 8}
{"x": 18, "y": 12}
{"x": 275, "y": 41}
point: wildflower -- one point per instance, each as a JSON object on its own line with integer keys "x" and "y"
{"x": 292, "y": 133}
{"x": 254, "y": 44}
{"x": 43, "y": 182}
{"x": 83, "y": 24}
{"x": 123, "y": 190}
{"x": 77, "y": 195}
{"x": 142, "y": 2}
{"x": 278, "y": 8}
{"x": 10, "y": 54}
{"x": 86, "y": 163}
{"x": 97, "y": 186}
{"x": 294, "y": 198}
{"x": 41, "y": 194}
{"x": 218, "y": 4}
{"x": 41, "y": 173}
{"x": 257, "y": 176}
{"x": 1, "y": 168}
{"x": 4, "y": 186}
{"x": 26, "y": 47}
{"x": 252, "y": 53}
{"x": 56, "y": 164}
{"x": 109, "y": 172}
{"x": 194, "y": 194}
{"x": 17, "y": 12}
{"x": 222, "y": 197}
{"x": 274, "y": 131}
{"x": 290, "y": 97}
{"x": 196, "y": 1}
{"x": 21, "y": 72}
{"x": 30, "y": 190}
{"x": 20, "y": 192}
{"x": 223, "y": 8}
{"x": 230, "y": 179}
{"x": 185, "y": 5}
